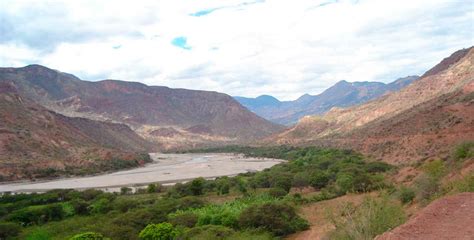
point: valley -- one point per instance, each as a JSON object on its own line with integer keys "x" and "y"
{"x": 164, "y": 169}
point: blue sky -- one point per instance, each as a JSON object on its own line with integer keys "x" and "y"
{"x": 246, "y": 48}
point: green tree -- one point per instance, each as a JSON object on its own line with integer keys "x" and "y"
{"x": 161, "y": 231}
{"x": 319, "y": 179}
{"x": 197, "y": 186}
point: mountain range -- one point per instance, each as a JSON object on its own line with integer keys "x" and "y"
{"x": 165, "y": 116}
{"x": 55, "y": 124}
{"x": 342, "y": 94}
{"x": 423, "y": 120}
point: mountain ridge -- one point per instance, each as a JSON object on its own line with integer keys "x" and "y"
{"x": 341, "y": 94}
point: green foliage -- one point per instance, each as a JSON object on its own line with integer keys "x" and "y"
{"x": 277, "y": 192}
{"x": 161, "y": 231}
{"x": 88, "y": 236}
{"x": 216, "y": 232}
{"x": 280, "y": 219}
{"x": 39, "y": 235}
{"x": 185, "y": 219}
{"x": 435, "y": 169}
{"x": 319, "y": 179}
{"x": 8, "y": 230}
{"x": 37, "y": 214}
{"x": 406, "y": 195}
{"x": 371, "y": 218}
{"x": 464, "y": 151}
{"x": 154, "y": 188}
{"x": 125, "y": 190}
{"x": 102, "y": 205}
{"x": 197, "y": 186}
{"x": 427, "y": 187}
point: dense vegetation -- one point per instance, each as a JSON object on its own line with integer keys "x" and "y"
{"x": 249, "y": 206}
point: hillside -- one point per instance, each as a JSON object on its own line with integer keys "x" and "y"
{"x": 198, "y": 116}
{"x": 36, "y": 142}
{"x": 342, "y": 94}
{"x": 420, "y": 121}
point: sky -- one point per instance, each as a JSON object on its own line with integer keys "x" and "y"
{"x": 239, "y": 47}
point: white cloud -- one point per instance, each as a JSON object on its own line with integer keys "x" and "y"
{"x": 248, "y": 48}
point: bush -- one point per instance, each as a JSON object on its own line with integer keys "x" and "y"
{"x": 371, "y": 218}
{"x": 277, "y": 192}
{"x": 301, "y": 179}
{"x": 319, "y": 179}
{"x": 88, "y": 236}
{"x": 185, "y": 219}
{"x": 406, "y": 195}
{"x": 161, "y": 231}
{"x": 8, "y": 230}
{"x": 101, "y": 205}
{"x": 123, "y": 205}
{"x": 197, "y": 186}
{"x": 37, "y": 214}
{"x": 154, "y": 188}
{"x": 80, "y": 206}
{"x": 209, "y": 232}
{"x": 427, "y": 187}
{"x": 125, "y": 190}
{"x": 282, "y": 181}
{"x": 280, "y": 219}
{"x": 464, "y": 151}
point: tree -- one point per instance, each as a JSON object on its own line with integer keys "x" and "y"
{"x": 197, "y": 186}
{"x": 125, "y": 190}
{"x": 319, "y": 179}
{"x": 151, "y": 188}
{"x": 161, "y": 231}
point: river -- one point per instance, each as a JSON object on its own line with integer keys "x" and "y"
{"x": 165, "y": 169}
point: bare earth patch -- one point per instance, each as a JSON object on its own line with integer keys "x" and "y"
{"x": 450, "y": 217}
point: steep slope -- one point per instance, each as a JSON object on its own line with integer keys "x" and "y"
{"x": 35, "y": 142}
{"x": 450, "y": 217}
{"x": 423, "y": 120}
{"x": 342, "y": 94}
{"x": 144, "y": 108}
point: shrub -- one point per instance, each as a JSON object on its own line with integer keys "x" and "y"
{"x": 464, "y": 150}
{"x": 37, "y": 214}
{"x": 154, "y": 188}
{"x": 101, "y": 205}
{"x": 282, "y": 181}
{"x": 280, "y": 219}
{"x": 125, "y": 190}
{"x": 8, "y": 230}
{"x": 197, "y": 186}
{"x": 319, "y": 179}
{"x": 345, "y": 182}
{"x": 80, "y": 206}
{"x": 185, "y": 219}
{"x": 426, "y": 187}
{"x": 301, "y": 179}
{"x": 277, "y": 192}
{"x": 161, "y": 231}
{"x": 123, "y": 205}
{"x": 88, "y": 236}
{"x": 209, "y": 232}
{"x": 406, "y": 195}
{"x": 435, "y": 169}
{"x": 371, "y": 218}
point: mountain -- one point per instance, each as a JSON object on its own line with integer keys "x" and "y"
{"x": 342, "y": 94}
{"x": 36, "y": 142}
{"x": 425, "y": 119}
{"x": 200, "y": 117}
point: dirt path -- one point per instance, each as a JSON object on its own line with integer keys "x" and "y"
{"x": 450, "y": 217}
{"x": 315, "y": 213}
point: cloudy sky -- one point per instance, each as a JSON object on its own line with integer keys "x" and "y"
{"x": 240, "y": 47}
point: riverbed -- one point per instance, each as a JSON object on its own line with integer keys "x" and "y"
{"x": 165, "y": 169}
